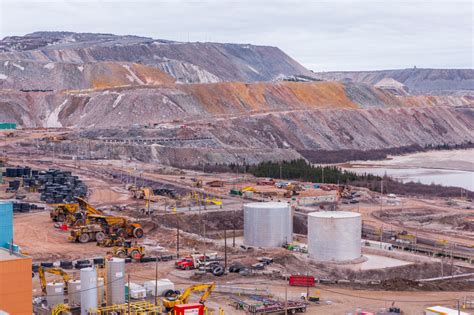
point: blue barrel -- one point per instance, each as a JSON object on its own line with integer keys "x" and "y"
{"x": 6, "y": 223}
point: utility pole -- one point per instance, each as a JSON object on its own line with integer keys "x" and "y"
{"x": 128, "y": 296}
{"x": 177, "y": 236}
{"x": 233, "y": 232}
{"x": 225, "y": 248}
{"x": 156, "y": 282}
{"x": 286, "y": 295}
{"x": 381, "y": 194}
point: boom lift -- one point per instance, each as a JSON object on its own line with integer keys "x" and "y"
{"x": 170, "y": 302}
{"x": 54, "y": 271}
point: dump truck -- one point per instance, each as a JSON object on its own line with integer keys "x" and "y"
{"x": 119, "y": 226}
{"x": 127, "y": 249}
{"x": 62, "y": 211}
{"x": 87, "y": 233}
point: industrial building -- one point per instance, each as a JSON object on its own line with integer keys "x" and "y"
{"x": 334, "y": 236}
{"x": 268, "y": 224}
{"x": 15, "y": 283}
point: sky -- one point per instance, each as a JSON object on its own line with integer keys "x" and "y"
{"x": 321, "y": 35}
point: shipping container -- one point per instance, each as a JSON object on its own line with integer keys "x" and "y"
{"x": 301, "y": 281}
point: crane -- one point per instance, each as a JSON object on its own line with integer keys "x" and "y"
{"x": 54, "y": 271}
{"x": 171, "y": 301}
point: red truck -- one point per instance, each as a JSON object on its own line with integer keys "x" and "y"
{"x": 301, "y": 281}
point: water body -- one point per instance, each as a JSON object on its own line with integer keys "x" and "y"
{"x": 447, "y": 168}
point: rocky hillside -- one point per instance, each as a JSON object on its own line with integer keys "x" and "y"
{"x": 418, "y": 81}
{"x": 187, "y": 62}
{"x": 220, "y": 103}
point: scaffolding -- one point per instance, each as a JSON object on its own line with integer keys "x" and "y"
{"x": 134, "y": 308}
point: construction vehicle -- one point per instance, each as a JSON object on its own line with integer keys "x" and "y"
{"x": 171, "y": 301}
{"x": 292, "y": 189}
{"x": 111, "y": 241}
{"x": 127, "y": 249}
{"x": 197, "y": 260}
{"x": 87, "y": 233}
{"x": 119, "y": 226}
{"x": 55, "y": 271}
{"x": 62, "y": 212}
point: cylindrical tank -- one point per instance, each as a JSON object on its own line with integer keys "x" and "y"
{"x": 334, "y": 236}
{"x": 115, "y": 281}
{"x": 74, "y": 292}
{"x": 100, "y": 290}
{"x": 88, "y": 289}
{"x": 267, "y": 224}
{"x": 54, "y": 293}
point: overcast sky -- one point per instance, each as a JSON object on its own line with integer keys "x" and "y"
{"x": 322, "y": 35}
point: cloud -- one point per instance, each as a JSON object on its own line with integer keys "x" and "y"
{"x": 322, "y": 35}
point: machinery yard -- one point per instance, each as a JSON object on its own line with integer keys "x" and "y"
{"x": 393, "y": 258}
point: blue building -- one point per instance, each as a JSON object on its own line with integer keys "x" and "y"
{"x": 6, "y": 223}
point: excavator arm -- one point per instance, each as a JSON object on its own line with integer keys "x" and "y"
{"x": 208, "y": 288}
{"x": 54, "y": 271}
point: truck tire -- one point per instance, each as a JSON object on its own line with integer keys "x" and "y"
{"x": 99, "y": 236}
{"x": 84, "y": 238}
{"x": 168, "y": 293}
{"x": 218, "y": 271}
{"x": 121, "y": 233}
{"x": 60, "y": 218}
{"x": 135, "y": 254}
{"x": 138, "y": 232}
{"x": 121, "y": 254}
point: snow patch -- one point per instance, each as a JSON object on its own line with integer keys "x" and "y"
{"x": 3, "y": 76}
{"x": 117, "y": 100}
{"x": 49, "y": 66}
{"x": 53, "y": 118}
{"x": 6, "y": 63}
{"x": 253, "y": 69}
{"x": 80, "y": 68}
{"x": 134, "y": 76}
{"x": 18, "y": 66}
{"x": 130, "y": 78}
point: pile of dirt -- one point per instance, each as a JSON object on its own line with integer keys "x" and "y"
{"x": 400, "y": 284}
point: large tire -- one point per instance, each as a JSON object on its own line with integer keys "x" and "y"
{"x": 84, "y": 238}
{"x": 218, "y": 271}
{"x": 138, "y": 232}
{"x": 168, "y": 293}
{"x": 100, "y": 236}
{"x": 135, "y": 254}
{"x": 121, "y": 233}
{"x": 121, "y": 254}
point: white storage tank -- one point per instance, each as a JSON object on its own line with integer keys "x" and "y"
{"x": 115, "y": 281}
{"x": 334, "y": 236}
{"x": 88, "y": 289}
{"x": 54, "y": 293}
{"x": 162, "y": 285}
{"x": 74, "y": 292}
{"x": 267, "y": 224}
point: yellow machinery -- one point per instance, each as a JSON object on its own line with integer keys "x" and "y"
{"x": 135, "y": 308}
{"x": 63, "y": 211}
{"x": 127, "y": 249}
{"x": 111, "y": 241}
{"x": 119, "y": 226}
{"x": 170, "y": 302}
{"x": 87, "y": 233}
{"x": 54, "y": 271}
{"x": 58, "y": 309}
{"x": 249, "y": 188}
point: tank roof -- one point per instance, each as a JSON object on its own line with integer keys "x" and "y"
{"x": 267, "y": 205}
{"x": 334, "y": 214}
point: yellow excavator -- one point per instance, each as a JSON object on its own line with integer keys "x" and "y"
{"x": 63, "y": 211}
{"x": 54, "y": 271}
{"x": 171, "y": 301}
{"x": 73, "y": 213}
